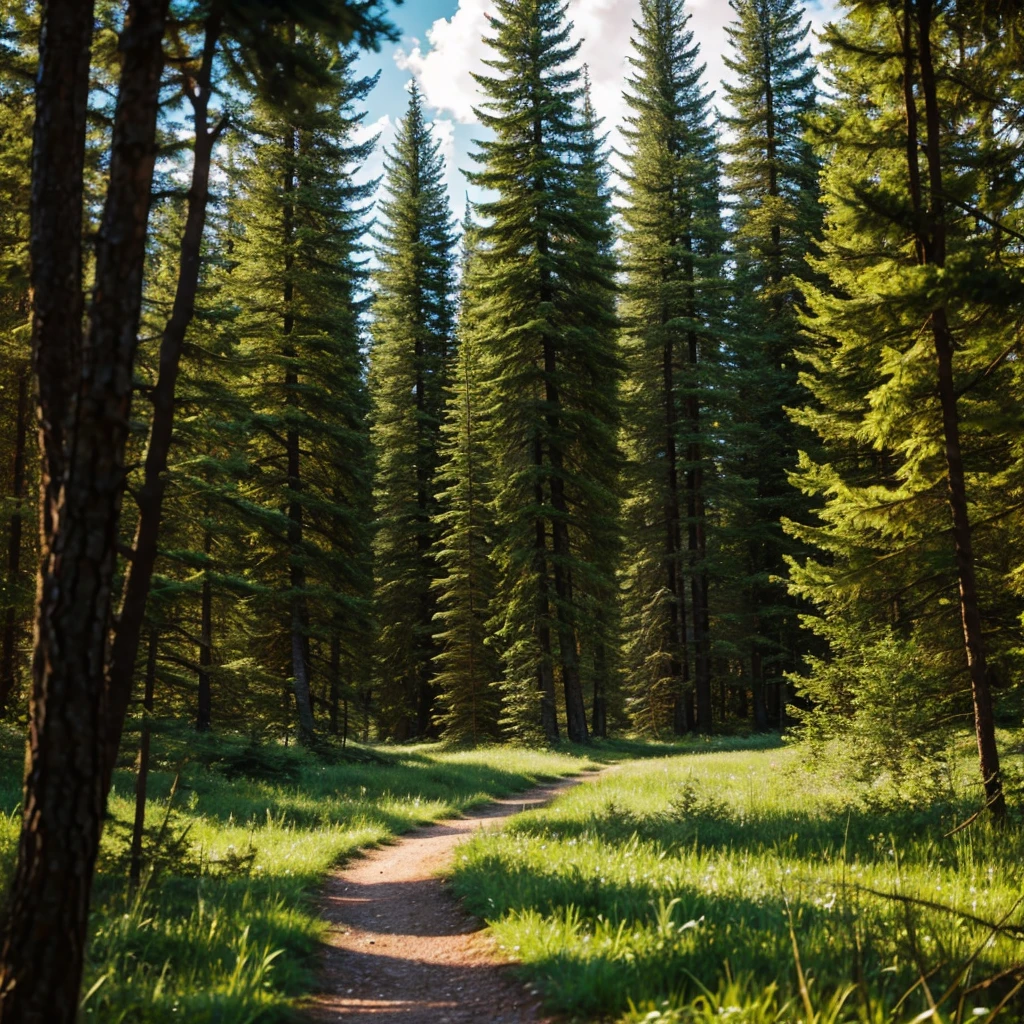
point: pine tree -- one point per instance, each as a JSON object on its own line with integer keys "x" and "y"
{"x": 549, "y": 344}
{"x": 910, "y": 382}
{"x": 412, "y": 341}
{"x": 297, "y": 285}
{"x": 773, "y": 178}
{"x": 673, "y": 317}
{"x": 467, "y": 662}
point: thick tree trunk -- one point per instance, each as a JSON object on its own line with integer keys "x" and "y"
{"x": 932, "y": 251}
{"x": 204, "y": 703}
{"x": 83, "y": 483}
{"x": 150, "y": 495}
{"x": 9, "y": 651}
{"x": 142, "y": 775}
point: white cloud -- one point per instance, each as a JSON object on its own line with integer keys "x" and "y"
{"x": 443, "y": 129}
{"x": 455, "y": 49}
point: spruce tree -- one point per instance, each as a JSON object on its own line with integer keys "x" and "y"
{"x": 772, "y": 174}
{"x": 467, "y": 661}
{"x": 413, "y": 323}
{"x": 297, "y": 284}
{"x": 549, "y": 344}
{"x": 672, "y": 313}
{"x": 909, "y": 383}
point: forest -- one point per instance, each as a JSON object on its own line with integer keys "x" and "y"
{"x": 689, "y": 450}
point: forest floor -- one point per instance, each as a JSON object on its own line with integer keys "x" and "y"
{"x": 227, "y": 925}
{"x": 763, "y": 886}
{"x": 401, "y": 950}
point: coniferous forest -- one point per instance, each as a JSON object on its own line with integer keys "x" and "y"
{"x": 682, "y": 439}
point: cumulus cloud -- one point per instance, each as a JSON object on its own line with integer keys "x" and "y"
{"x": 454, "y": 49}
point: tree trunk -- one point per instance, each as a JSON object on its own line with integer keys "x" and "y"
{"x": 932, "y": 251}
{"x": 65, "y": 785}
{"x": 149, "y": 497}
{"x": 142, "y": 776}
{"x": 204, "y": 702}
{"x": 8, "y": 654}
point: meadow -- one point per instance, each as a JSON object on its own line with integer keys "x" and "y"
{"x": 760, "y": 886}
{"x": 224, "y": 926}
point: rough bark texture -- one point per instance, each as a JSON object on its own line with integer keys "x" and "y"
{"x": 84, "y": 478}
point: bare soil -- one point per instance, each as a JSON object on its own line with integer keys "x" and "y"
{"x": 401, "y": 949}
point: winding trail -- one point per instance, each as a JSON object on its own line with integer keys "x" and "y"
{"x": 401, "y": 950}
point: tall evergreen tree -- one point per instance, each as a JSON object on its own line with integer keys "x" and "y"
{"x": 910, "y": 376}
{"x": 297, "y": 284}
{"x": 467, "y": 661}
{"x": 673, "y": 316}
{"x": 413, "y": 324}
{"x": 772, "y": 175}
{"x": 550, "y": 348}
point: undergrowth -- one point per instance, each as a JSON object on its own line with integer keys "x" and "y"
{"x": 742, "y": 886}
{"x": 223, "y": 926}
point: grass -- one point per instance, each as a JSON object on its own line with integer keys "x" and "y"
{"x": 734, "y": 885}
{"x": 224, "y": 927}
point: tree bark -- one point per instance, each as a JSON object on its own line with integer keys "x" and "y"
{"x": 142, "y": 776}
{"x": 150, "y": 495}
{"x": 8, "y": 654}
{"x": 932, "y": 250}
{"x": 83, "y": 483}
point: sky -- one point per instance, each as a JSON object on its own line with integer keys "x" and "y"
{"x": 441, "y": 45}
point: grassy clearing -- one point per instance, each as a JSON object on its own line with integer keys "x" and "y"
{"x": 664, "y": 893}
{"x": 223, "y": 929}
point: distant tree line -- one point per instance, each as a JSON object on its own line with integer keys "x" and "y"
{"x": 730, "y": 438}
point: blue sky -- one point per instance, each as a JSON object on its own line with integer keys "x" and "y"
{"x": 441, "y": 45}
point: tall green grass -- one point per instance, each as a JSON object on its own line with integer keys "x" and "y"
{"x": 224, "y": 926}
{"x": 705, "y": 887}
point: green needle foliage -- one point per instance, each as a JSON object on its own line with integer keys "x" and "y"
{"x": 550, "y": 348}
{"x": 412, "y": 341}
{"x": 297, "y": 284}
{"x": 467, "y": 659}
{"x": 772, "y": 172}
{"x": 673, "y": 314}
{"x": 913, "y": 387}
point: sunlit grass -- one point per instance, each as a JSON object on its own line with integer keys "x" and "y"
{"x": 225, "y": 926}
{"x": 671, "y": 886}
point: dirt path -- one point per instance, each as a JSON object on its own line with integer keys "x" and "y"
{"x": 402, "y": 950}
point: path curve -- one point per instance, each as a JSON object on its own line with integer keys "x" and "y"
{"x": 401, "y": 950}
